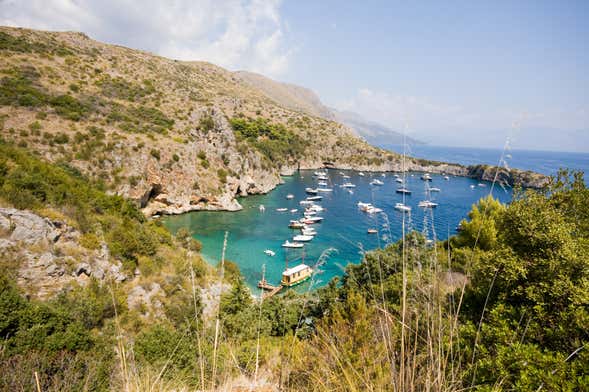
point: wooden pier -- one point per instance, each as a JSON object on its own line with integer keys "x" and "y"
{"x": 269, "y": 290}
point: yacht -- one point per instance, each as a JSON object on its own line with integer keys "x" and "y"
{"x": 269, "y": 252}
{"x": 402, "y": 207}
{"x": 302, "y": 238}
{"x": 311, "y": 191}
{"x": 288, "y": 244}
{"x": 427, "y": 204}
{"x": 426, "y": 177}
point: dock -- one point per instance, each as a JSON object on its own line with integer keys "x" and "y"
{"x": 269, "y": 290}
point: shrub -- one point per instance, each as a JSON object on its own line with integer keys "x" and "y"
{"x": 155, "y": 153}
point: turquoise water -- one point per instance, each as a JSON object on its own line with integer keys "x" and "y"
{"x": 344, "y": 227}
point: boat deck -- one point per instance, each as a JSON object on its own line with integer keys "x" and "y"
{"x": 269, "y": 290}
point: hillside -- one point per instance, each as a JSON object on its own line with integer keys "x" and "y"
{"x": 374, "y": 133}
{"x": 156, "y": 130}
{"x": 288, "y": 95}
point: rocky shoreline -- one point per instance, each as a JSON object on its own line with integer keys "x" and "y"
{"x": 163, "y": 204}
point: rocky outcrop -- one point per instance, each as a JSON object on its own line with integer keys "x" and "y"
{"x": 47, "y": 254}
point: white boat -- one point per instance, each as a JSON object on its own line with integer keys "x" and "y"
{"x": 311, "y": 191}
{"x": 314, "y": 198}
{"x": 315, "y": 208}
{"x": 302, "y": 238}
{"x": 308, "y": 231}
{"x": 322, "y": 183}
{"x": 399, "y": 180}
{"x": 472, "y": 187}
{"x": 403, "y": 190}
{"x": 376, "y": 182}
{"x": 319, "y": 173}
{"x": 348, "y": 185}
{"x": 426, "y": 177}
{"x": 324, "y": 190}
{"x": 481, "y": 185}
{"x": 288, "y": 244}
{"x": 322, "y": 178}
{"x": 312, "y": 219}
{"x": 290, "y": 196}
{"x": 363, "y": 206}
{"x": 402, "y": 207}
{"x": 309, "y": 213}
{"x": 269, "y": 252}
{"x": 374, "y": 210}
{"x": 383, "y": 175}
{"x": 262, "y": 208}
{"x": 427, "y": 204}
{"x": 434, "y": 189}
{"x": 294, "y": 210}
{"x": 345, "y": 176}
{"x": 281, "y": 209}
{"x": 306, "y": 202}
{"x": 361, "y": 174}
{"x": 446, "y": 178}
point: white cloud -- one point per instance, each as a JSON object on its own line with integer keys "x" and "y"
{"x": 447, "y": 124}
{"x": 236, "y": 34}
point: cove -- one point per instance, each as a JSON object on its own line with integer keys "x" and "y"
{"x": 344, "y": 227}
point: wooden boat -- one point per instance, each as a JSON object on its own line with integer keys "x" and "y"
{"x": 296, "y": 275}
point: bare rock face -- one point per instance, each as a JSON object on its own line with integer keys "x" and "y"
{"x": 146, "y": 298}
{"x": 48, "y": 254}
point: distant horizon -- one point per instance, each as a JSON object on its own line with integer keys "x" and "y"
{"x": 485, "y": 148}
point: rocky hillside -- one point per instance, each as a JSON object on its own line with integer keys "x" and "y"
{"x": 172, "y": 136}
{"x": 288, "y": 95}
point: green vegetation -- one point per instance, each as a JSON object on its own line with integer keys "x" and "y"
{"x": 275, "y": 141}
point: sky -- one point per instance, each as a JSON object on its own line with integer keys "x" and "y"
{"x": 463, "y": 73}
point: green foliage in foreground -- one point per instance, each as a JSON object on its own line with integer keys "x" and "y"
{"x": 275, "y": 141}
{"x": 521, "y": 324}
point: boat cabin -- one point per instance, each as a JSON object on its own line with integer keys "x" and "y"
{"x": 296, "y": 275}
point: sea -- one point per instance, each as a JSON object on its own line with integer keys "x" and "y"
{"x": 342, "y": 237}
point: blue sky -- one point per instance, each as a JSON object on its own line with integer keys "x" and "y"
{"x": 458, "y": 72}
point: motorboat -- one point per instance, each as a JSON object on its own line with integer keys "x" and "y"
{"x": 427, "y": 204}
{"x": 281, "y": 209}
{"x": 403, "y": 190}
{"x": 324, "y": 190}
{"x": 308, "y": 231}
{"x": 402, "y": 207}
{"x": 322, "y": 178}
{"x": 376, "y": 182}
{"x": 288, "y": 244}
{"x": 372, "y": 231}
{"x": 434, "y": 189}
{"x": 374, "y": 210}
{"x": 481, "y": 185}
{"x": 294, "y": 224}
{"x": 446, "y": 178}
{"x": 290, "y": 196}
{"x": 399, "y": 180}
{"x": 314, "y": 198}
{"x": 348, "y": 185}
{"x": 309, "y": 212}
{"x": 311, "y": 191}
{"x": 269, "y": 252}
{"x": 311, "y": 219}
{"x": 361, "y": 174}
{"x": 426, "y": 177}
{"x": 472, "y": 187}
{"x": 322, "y": 183}
{"x": 306, "y": 202}
{"x": 262, "y": 208}
{"x": 364, "y": 206}
{"x": 345, "y": 176}
{"x": 302, "y": 238}
{"x": 383, "y": 175}
{"x": 294, "y": 210}
{"x": 319, "y": 173}
{"x": 316, "y": 208}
